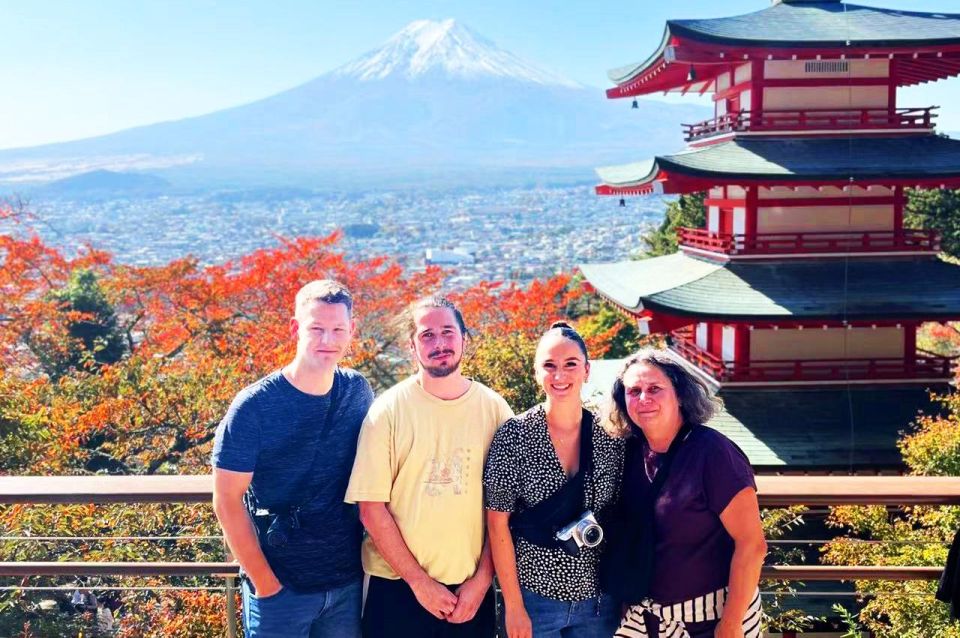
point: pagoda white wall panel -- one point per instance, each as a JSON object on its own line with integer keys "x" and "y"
{"x": 713, "y": 219}
{"x": 834, "y": 343}
{"x": 739, "y": 221}
{"x": 868, "y": 343}
{"x": 701, "y": 336}
{"x": 736, "y": 192}
{"x": 809, "y": 192}
{"x": 723, "y": 82}
{"x": 806, "y": 69}
{"x": 809, "y": 219}
{"x": 728, "y": 343}
{"x": 825, "y": 97}
{"x": 743, "y": 73}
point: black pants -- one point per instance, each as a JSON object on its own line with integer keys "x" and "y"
{"x": 392, "y": 611}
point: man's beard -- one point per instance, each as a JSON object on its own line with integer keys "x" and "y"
{"x": 443, "y": 369}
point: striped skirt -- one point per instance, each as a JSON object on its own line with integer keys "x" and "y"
{"x": 673, "y": 618}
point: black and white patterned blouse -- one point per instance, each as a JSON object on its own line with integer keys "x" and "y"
{"x": 523, "y": 469}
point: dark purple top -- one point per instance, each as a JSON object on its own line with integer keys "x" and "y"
{"x": 693, "y": 550}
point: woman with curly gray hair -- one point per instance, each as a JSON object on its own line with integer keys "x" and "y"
{"x": 687, "y": 552}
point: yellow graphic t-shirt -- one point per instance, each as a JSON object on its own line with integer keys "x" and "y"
{"x": 424, "y": 457}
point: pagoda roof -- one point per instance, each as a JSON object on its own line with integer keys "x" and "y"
{"x": 840, "y": 428}
{"x": 825, "y": 289}
{"x": 907, "y": 160}
{"x": 853, "y": 427}
{"x": 825, "y": 26}
{"x": 826, "y": 23}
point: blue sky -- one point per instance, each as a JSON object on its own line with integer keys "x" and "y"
{"x": 74, "y": 69}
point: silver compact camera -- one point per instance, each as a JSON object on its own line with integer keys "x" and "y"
{"x": 583, "y": 532}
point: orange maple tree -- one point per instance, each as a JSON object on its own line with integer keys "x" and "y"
{"x": 192, "y": 336}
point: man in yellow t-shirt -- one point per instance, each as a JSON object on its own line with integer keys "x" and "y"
{"x": 418, "y": 479}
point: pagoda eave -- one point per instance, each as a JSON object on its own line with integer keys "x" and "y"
{"x": 684, "y": 184}
{"x": 922, "y": 161}
{"x": 671, "y": 70}
{"x": 926, "y": 45}
{"x": 685, "y": 289}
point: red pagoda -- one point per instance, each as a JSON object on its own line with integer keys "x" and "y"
{"x": 800, "y": 299}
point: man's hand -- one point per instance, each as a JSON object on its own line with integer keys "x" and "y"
{"x": 469, "y": 596}
{"x": 434, "y": 597}
{"x": 267, "y": 588}
{"x": 238, "y": 530}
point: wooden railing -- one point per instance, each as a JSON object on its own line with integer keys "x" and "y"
{"x": 710, "y": 363}
{"x": 922, "y": 366}
{"x": 907, "y": 240}
{"x": 773, "y": 491}
{"x": 812, "y": 119}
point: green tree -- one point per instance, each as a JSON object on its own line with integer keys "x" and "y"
{"x": 937, "y": 209}
{"x": 624, "y": 340}
{"x": 87, "y": 330}
{"x": 687, "y": 210}
{"x": 914, "y": 536}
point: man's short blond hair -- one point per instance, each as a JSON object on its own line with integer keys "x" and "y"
{"x": 325, "y": 290}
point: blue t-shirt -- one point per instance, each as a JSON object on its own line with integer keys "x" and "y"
{"x": 273, "y": 430}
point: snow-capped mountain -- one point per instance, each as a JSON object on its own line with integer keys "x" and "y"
{"x": 436, "y": 100}
{"x": 426, "y": 47}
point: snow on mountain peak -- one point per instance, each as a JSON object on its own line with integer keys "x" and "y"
{"x": 447, "y": 47}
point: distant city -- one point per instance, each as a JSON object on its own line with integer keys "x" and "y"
{"x": 504, "y": 235}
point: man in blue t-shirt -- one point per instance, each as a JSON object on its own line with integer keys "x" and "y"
{"x": 282, "y": 459}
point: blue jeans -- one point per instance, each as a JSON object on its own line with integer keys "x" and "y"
{"x": 591, "y": 618}
{"x": 287, "y": 614}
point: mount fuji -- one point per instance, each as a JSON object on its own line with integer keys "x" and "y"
{"x": 436, "y": 100}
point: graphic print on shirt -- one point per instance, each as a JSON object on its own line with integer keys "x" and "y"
{"x": 448, "y": 474}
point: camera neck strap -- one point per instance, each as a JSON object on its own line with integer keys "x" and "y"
{"x": 539, "y": 523}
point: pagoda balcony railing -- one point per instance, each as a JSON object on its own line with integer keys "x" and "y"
{"x": 922, "y": 366}
{"x": 907, "y": 240}
{"x": 813, "y": 120}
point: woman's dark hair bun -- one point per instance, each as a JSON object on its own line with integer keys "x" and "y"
{"x": 569, "y": 332}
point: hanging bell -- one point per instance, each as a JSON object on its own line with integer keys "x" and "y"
{"x": 623, "y": 203}
{"x": 635, "y": 105}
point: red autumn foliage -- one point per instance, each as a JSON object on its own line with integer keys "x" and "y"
{"x": 193, "y": 336}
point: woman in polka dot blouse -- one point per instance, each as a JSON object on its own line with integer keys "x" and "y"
{"x": 550, "y": 591}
